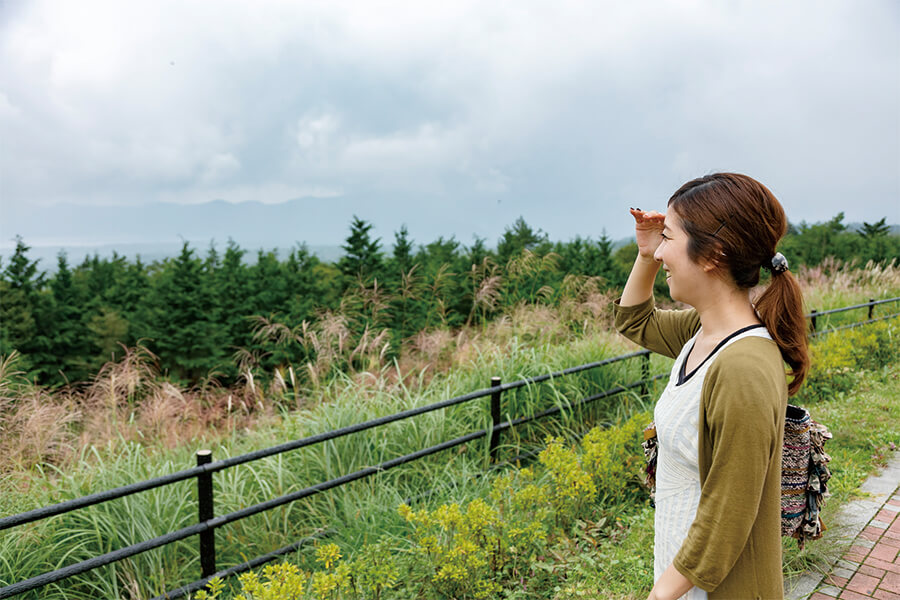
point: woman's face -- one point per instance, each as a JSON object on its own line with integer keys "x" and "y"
{"x": 686, "y": 279}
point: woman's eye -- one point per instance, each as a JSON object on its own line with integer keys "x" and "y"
{"x": 663, "y": 236}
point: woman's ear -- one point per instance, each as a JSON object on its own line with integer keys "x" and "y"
{"x": 716, "y": 261}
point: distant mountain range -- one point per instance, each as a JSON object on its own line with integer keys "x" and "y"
{"x": 157, "y": 231}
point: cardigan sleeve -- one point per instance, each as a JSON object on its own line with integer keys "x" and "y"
{"x": 742, "y": 401}
{"x": 662, "y": 331}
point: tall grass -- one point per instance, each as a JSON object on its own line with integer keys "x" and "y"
{"x": 361, "y": 511}
{"x": 835, "y": 283}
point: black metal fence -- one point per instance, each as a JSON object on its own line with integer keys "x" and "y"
{"x": 208, "y": 522}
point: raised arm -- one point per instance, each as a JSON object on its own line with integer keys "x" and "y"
{"x": 648, "y": 226}
{"x": 662, "y": 331}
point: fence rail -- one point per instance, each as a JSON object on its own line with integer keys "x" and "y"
{"x": 208, "y": 522}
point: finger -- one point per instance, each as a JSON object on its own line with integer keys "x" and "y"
{"x": 651, "y": 217}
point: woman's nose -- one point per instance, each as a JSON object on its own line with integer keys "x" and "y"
{"x": 657, "y": 254}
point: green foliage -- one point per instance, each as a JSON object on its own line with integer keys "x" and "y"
{"x": 610, "y": 457}
{"x": 837, "y": 358}
{"x": 811, "y": 244}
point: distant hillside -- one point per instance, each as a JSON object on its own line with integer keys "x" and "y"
{"x": 150, "y": 252}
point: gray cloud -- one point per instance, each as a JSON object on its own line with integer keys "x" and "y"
{"x": 450, "y": 117}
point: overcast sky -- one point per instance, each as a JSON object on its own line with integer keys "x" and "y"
{"x": 451, "y": 117}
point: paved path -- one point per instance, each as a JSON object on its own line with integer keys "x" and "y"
{"x": 871, "y": 567}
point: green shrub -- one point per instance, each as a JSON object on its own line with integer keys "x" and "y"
{"x": 837, "y": 357}
{"x": 615, "y": 458}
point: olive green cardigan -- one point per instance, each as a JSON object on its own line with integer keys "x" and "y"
{"x": 733, "y": 548}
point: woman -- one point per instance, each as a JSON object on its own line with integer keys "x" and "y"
{"x": 720, "y": 420}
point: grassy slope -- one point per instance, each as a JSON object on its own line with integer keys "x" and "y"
{"x": 358, "y": 509}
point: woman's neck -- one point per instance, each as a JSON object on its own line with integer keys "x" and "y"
{"x": 726, "y": 312}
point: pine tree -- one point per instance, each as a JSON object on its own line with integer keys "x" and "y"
{"x": 873, "y": 230}
{"x": 299, "y": 271}
{"x": 601, "y": 261}
{"x": 231, "y": 293}
{"x": 362, "y": 258}
{"x": 444, "y": 268}
{"x": 269, "y": 292}
{"x": 520, "y": 236}
{"x": 128, "y": 298}
{"x": 69, "y": 346}
{"x": 402, "y": 253}
{"x": 187, "y": 338}
{"x": 878, "y": 245}
{"x": 477, "y": 252}
{"x": 20, "y": 284}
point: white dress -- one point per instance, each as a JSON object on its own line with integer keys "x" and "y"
{"x": 677, "y": 416}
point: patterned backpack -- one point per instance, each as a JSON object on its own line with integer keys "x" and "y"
{"x": 804, "y": 473}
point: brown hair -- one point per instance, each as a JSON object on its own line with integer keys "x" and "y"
{"x": 735, "y": 222}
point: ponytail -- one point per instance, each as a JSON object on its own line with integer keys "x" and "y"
{"x": 780, "y": 307}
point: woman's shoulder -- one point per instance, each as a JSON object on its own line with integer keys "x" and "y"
{"x": 750, "y": 353}
{"x": 749, "y": 368}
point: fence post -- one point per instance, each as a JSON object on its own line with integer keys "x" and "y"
{"x": 495, "y": 419}
{"x": 205, "y": 497}
{"x": 645, "y": 375}
{"x": 871, "y": 307}
{"x": 813, "y": 320}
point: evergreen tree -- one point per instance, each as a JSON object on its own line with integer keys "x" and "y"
{"x": 128, "y": 299}
{"x": 19, "y": 287}
{"x": 877, "y": 244}
{"x": 231, "y": 293}
{"x": 269, "y": 292}
{"x": 69, "y": 349}
{"x": 362, "y": 258}
{"x": 299, "y": 270}
{"x": 446, "y": 298}
{"x": 187, "y": 338}
{"x": 212, "y": 262}
{"x": 99, "y": 277}
{"x": 601, "y": 261}
{"x": 328, "y": 284}
{"x": 520, "y": 236}
{"x": 477, "y": 252}
{"x": 874, "y": 230}
{"x": 402, "y": 259}
{"x": 108, "y": 330}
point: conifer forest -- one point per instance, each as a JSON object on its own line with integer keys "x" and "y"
{"x": 223, "y": 313}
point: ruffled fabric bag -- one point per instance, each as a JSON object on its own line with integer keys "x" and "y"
{"x": 650, "y": 444}
{"x": 804, "y": 473}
